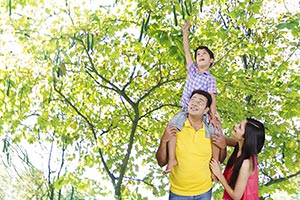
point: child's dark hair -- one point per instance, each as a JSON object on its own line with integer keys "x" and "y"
{"x": 254, "y": 138}
{"x": 211, "y": 54}
{"x": 204, "y": 93}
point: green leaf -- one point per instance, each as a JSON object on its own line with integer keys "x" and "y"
{"x": 255, "y": 7}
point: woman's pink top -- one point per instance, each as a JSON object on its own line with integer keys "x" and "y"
{"x": 251, "y": 190}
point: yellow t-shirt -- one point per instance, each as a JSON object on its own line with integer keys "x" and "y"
{"x": 192, "y": 175}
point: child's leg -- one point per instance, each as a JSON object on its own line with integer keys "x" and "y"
{"x": 177, "y": 121}
{"x": 215, "y": 155}
{"x": 171, "y": 155}
{"x": 209, "y": 128}
{"x": 215, "y": 152}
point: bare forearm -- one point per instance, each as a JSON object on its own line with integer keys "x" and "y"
{"x": 222, "y": 155}
{"x": 162, "y": 154}
{"x": 241, "y": 182}
{"x": 213, "y": 106}
{"x": 230, "y": 141}
{"x": 186, "y": 47}
{"x": 227, "y": 187}
{"x": 215, "y": 152}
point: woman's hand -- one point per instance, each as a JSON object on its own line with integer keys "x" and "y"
{"x": 219, "y": 140}
{"x": 216, "y": 168}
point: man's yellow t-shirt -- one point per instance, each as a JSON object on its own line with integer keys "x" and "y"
{"x": 192, "y": 175}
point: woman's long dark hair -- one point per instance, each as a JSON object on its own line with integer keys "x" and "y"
{"x": 254, "y": 139}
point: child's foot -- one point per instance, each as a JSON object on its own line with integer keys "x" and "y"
{"x": 171, "y": 164}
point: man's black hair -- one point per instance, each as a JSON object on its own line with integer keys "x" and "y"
{"x": 204, "y": 93}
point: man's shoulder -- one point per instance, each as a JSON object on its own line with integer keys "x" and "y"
{"x": 186, "y": 123}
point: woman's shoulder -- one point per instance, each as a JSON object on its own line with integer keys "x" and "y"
{"x": 247, "y": 165}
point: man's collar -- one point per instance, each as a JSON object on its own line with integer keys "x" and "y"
{"x": 188, "y": 124}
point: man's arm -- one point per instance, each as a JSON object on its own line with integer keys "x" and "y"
{"x": 186, "y": 45}
{"x": 162, "y": 151}
{"x": 223, "y": 154}
{"x": 219, "y": 141}
{"x": 162, "y": 154}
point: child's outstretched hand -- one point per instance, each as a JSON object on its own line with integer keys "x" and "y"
{"x": 186, "y": 26}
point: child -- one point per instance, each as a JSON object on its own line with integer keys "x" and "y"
{"x": 198, "y": 78}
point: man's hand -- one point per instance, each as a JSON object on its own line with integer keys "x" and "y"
{"x": 162, "y": 151}
{"x": 169, "y": 132}
{"x": 216, "y": 123}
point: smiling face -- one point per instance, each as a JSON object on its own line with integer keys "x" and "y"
{"x": 203, "y": 59}
{"x": 239, "y": 130}
{"x": 197, "y": 105}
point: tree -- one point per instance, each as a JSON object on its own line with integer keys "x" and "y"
{"x": 101, "y": 82}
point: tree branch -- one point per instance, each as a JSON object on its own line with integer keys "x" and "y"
{"x": 157, "y": 108}
{"x": 279, "y": 180}
{"x": 91, "y": 126}
{"x": 49, "y": 173}
{"x": 139, "y": 180}
{"x": 126, "y": 158}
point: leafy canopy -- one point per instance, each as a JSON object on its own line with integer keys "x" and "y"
{"x": 99, "y": 82}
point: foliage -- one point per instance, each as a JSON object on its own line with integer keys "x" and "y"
{"x": 99, "y": 82}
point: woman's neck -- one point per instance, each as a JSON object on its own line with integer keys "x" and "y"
{"x": 240, "y": 143}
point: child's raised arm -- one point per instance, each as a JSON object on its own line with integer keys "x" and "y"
{"x": 186, "y": 45}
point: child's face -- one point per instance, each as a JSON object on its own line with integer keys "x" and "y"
{"x": 203, "y": 59}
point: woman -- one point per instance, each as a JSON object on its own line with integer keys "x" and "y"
{"x": 240, "y": 177}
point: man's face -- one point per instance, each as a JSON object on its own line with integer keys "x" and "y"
{"x": 203, "y": 58}
{"x": 197, "y": 105}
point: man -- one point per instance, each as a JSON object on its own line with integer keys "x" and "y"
{"x": 191, "y": 177}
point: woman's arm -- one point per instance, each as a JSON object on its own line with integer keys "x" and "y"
{"x": 230, "y": 141}
{"x": 241, "y": 182}
{"x": 222, "y": 141}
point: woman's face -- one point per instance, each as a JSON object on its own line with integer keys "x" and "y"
{"x": 239, "y": 130}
